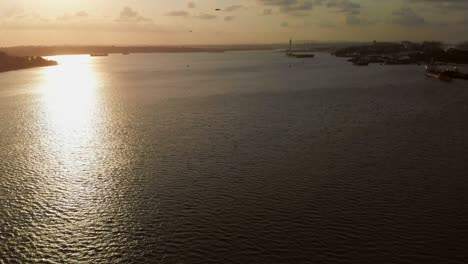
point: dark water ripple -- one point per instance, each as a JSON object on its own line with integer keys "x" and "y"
{"x": 325, "y": 164}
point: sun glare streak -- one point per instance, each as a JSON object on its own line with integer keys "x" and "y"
{"x": 70, "y": 93}
{"x": 72, "y": 122}
{"x": 70, "y": 99}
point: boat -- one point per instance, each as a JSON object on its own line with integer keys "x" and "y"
{"x": 455, "y": 73}
{"x": 434, "y": 71}
{"x": 291, "y": 54}
{"x": 441, "y": 76}
{"x": 99, "y": 54}
{"x": 301, "y": 56}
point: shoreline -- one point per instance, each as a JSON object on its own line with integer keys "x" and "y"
{"x": 404, "y": 53}
{"x": 84, "y": 50}
{"x": 14, "y": 63}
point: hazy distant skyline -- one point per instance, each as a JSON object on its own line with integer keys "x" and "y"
{"x": 148, "y": 22}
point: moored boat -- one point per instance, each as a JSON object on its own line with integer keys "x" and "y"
{"x": 99, "y": 54}
{"x": 441, "y": 76}
{"x": 434, "y": 71}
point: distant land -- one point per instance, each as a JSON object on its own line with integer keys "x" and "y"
{"x": 72, "y": 50}
{"x": 311, "y": 46}
{"x": 77, "y": 49}
{"x": 390, "y": 53}
{"x": 406, "y": 52}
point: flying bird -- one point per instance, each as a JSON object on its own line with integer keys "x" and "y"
{"x": 217, "y": 9}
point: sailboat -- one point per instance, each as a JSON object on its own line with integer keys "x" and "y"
{"x": 290, "y": 53}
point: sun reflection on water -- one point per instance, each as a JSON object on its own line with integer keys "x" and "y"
{"x": 70, "y": 94}
{"x": 71, "y": 114}
{"x": 74, "y": 157}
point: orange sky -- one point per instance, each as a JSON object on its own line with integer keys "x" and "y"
{"x": 132, "y": 22}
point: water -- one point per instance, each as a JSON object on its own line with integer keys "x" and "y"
{"x": 231, "y": 158}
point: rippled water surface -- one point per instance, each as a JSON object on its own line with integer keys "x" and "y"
{"x": 231, "y": 158}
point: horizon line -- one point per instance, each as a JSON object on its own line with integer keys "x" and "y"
{"x": 225, "y": 44}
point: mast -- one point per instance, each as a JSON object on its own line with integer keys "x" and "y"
{"x": 290, "y": 45}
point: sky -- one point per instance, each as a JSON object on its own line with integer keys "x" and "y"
{"x": 182, "y": 22}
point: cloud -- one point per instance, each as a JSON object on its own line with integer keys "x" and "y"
{"x": 65, "y": 17}
{"x": 12, "y": 11}
{"x": 292, "y": 7}
{"x": 24, "y": 19}
{"x": 406, "y": 16}
{"x": 345, "y": 6}
{"x": 191, "y": 4}
{"x": 359, "y": 21}
{"x": 77, "y": 15}
{"x": 33, "y": 21}
{"x": 229, "y": 18}
{"x": 178, "y": 13}
{"x": 443, "y": 5}
{"x": 206, "y": 16}
{"x": 128, "y": 15}
{"x": 233, "y": 8}
{"x": 295, "y": 25}
{"x": 81, "y": 21}
{"x": 326, "y": 24}
{"x": 82, "y": 14}
{"x": 351, "y": 10}
{"x": 267, "y": 12}
{"x": 304, "y": 7}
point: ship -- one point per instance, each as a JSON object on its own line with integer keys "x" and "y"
{"x": 99, "y": 54}
{"x": 290, "y": 53}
